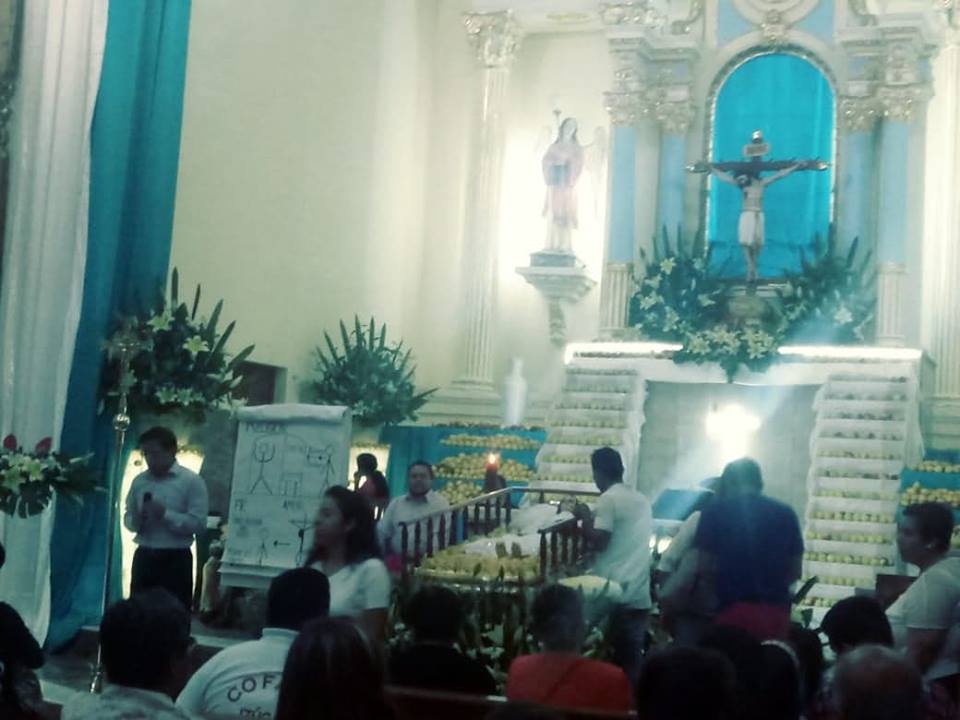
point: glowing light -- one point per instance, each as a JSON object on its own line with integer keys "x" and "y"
{"x": 841, "y": 352}
{"x": 626, "y": 349}
{"x": 492, "y": 459}
{"x": 731, "y": 429}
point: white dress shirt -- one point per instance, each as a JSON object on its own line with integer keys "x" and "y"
{"x": 183, "y": 493}
{"x": 408, "y": 509}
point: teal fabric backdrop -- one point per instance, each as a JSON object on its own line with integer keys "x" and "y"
{"x": 792, "y": 103}
{"x": 133, "y": 177}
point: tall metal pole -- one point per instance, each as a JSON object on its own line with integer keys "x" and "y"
{"x": 126, "y": 346}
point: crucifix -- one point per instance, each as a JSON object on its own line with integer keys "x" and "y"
{"x": 745, "y": 174}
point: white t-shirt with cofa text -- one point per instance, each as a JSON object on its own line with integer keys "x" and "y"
{"x": 242, "y": 680}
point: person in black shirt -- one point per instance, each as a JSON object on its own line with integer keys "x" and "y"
{"x": 19, "y": 655}
{"x": 433, "y": 662}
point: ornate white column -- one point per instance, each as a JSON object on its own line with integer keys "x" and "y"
{"x": 495, "y": 37}
{"x": 890, "y": 291}
{"x": 901, "y": 98}
{"x": 672, "y": 106}
{"x": 942, "y": 244}
{"x": 626, "y": 107}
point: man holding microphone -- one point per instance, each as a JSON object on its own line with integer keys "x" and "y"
{"x": 166, "y": 507}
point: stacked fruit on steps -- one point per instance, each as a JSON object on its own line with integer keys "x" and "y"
{"x": 601, "y": 405}
{"x": 863, "y": 437}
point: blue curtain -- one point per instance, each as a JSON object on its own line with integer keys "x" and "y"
{"x": 135, "y": 147}
{"x": 792, "y": 103}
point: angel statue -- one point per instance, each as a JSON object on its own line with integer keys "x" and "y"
{"x": 562, "y": 164}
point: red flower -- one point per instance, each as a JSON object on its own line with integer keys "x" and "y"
{"x": 43, "y": 447}
{"x": 10, "y": 442}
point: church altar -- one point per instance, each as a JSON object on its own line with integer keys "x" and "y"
{"x": 865, "y": 430}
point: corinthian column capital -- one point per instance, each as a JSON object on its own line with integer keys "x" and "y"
{"x": 495, "y": 37}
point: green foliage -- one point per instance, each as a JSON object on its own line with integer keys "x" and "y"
{"x": 182, "y": 365}
{"x": 29, "y": 479}
{"x": 369, "y": 375}
{"x": 678, "y": 300}
{"x": 496, "y": 627}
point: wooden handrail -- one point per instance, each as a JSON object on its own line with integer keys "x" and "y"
{"x": 560, "y": 543}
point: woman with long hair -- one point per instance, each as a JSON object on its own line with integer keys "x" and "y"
{"x": 345, "y": 550}
{"x": 331, "y": 673}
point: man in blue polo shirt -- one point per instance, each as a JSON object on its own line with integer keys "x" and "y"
{"x": 754, "y": 546}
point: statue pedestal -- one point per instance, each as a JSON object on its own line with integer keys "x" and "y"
{"x": 560, "y": 277}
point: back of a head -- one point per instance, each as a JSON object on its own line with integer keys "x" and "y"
{"x": 607, "y": 462}
{"x": 779, "y": 696}
{"x": 873, "y": 682}
{"x": 297, "y": 596}
{"x": 682, "y": 683}
{"x": 742, "y": 477}
{"x": 331, "y": 673}
{"x": 435, "y": 614}
{"x": 855, "y": 621}
{"x": 558, "y": 618}
{"x": 142, "y": 638}
{"x": 746, "y": 655}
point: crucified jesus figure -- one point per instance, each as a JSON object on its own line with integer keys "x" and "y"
{"x": 750, "y": 231}
{"x": 746, "y": 176}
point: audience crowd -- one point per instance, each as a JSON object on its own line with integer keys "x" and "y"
{"x": 725, "y": 596}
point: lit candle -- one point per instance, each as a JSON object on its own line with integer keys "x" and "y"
{"x": 492, "y": 480}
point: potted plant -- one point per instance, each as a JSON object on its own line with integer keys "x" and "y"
{"x": 29, "y": 478}
{"x": 181, "y": 366}
{"x": 368, "y": 374}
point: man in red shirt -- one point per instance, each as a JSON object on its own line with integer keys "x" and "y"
{"x": 559, "y": 676}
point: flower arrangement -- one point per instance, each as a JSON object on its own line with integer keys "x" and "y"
{"x": 679, "y": 300}
{"x": 182, "y": 364}
{"x": 28, "y": 479}
{"x": 497, "y": 617}
{"x": 369, "y": 375}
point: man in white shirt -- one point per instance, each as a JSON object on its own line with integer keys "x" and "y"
{"x": 145, "y": 641}
{"x": 620, "y": 534}
{"x": 166, "y": 507}
{"x": 419, "y": 502}
{"x": 924, "y": 618}
{"x": 244, "y": 680}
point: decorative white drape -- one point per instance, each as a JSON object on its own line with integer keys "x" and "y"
{"x": 44, "y": 257}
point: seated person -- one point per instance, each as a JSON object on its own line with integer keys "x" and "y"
{"x": 19, "y": 655}
{"x": 854, "y": 622}
{"x": 432, "y": 662}
{"x": 559, "y": 676}
{"x": 683, "y": 683}
{"x": 921, "y": 618}
{"x": 144, "y": 642}
{"x": 419, "y": 502}
{"x": 332, "y": 673}
{"x": 345, "y": 550}
{"x": 370, "y": 482}
{"x": 876, "y": 683}
{"x": 243, "y": 680}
